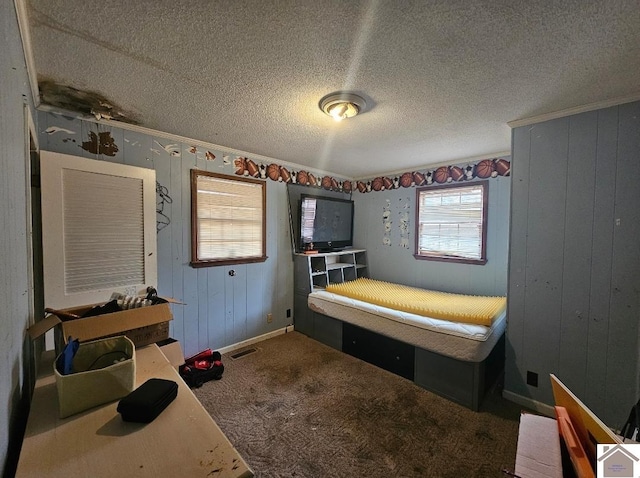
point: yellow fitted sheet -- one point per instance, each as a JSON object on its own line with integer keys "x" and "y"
{"x": 470, "y": 309}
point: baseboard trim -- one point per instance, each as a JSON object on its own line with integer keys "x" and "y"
{"x": 539, "y": 407}
{"x": 254, "y": 340}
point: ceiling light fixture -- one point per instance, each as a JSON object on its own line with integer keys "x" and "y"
{"x": 342, "y": 105}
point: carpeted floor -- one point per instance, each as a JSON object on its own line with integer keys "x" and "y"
{"x": 297, "y": 408}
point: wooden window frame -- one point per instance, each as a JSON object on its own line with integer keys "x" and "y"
{"x": 455, "y": 259}
{"x": 195, "y": 260}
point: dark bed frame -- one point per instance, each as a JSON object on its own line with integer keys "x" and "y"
{"x": 462, "y": 382}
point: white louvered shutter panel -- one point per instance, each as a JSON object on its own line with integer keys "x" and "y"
{"x": 99, "y": 233}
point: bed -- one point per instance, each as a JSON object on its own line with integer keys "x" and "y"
{"x": 457, "y": 360}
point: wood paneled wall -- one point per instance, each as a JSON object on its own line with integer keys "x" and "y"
{"x": 574, "y": 270}
{"x": 16, "y": 295}
{"x": 220, "y": 309}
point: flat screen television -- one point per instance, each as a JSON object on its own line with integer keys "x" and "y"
{"x": 326, "y": 223}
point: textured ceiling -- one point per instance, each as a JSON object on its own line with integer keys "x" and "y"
{"x": 441, "y": 78}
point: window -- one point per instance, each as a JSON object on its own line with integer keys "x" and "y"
{"x": 451, "y": 223}
{"x": 228, "y": 219}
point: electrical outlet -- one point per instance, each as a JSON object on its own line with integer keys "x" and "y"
{"x": 288, "y": 313}
{"x": 532, "y": 378}
{"x": 269, "y": 318}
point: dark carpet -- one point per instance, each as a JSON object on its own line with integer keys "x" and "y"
{"x": 297, "y": 408}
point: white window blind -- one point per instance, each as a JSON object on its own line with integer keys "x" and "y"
{"x": 451, "y": 222}
{"x": 230, "y": 219}
{"x": 103, "y": 231}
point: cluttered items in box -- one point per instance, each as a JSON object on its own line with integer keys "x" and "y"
{"x": 117, "y": 303}
{"x": 121, "y": 302}
{"x": 93, "y": 373}
{"x": 143, "y": 325}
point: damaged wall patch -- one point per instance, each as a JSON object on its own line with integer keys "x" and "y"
{"x": 84, "y": 102}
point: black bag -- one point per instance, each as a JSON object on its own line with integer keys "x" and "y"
{"x": 195, "y": 377}
{"x": 147, "y": 401}
{"x": 201, "y": 368}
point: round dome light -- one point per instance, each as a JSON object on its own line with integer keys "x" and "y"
{"x": 342, "y": 105}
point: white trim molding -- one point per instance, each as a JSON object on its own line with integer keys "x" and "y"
{"x": 573, "y": 111}
{"x": 255, "y": 340}
{"x": 539, "y": 407}
{"x": 25, "y": 36}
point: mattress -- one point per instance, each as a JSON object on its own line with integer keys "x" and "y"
{"x": 470, "y": 309}
{"x": 466, "y": 342}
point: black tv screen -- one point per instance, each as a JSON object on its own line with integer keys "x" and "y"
{"x": 326, "y": 224}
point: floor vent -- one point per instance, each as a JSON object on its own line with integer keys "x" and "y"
{"x": 243, "y": 353}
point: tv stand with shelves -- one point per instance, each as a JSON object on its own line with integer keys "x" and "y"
{"x": 314, "y": 272}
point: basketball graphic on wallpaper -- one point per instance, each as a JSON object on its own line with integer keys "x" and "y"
{"x": 302, "y": 177}
{"x": 406, "y": 180}
{"x": 441, "y": 175}
{"x": 346, "y": 186}
{"x": 377, "y": 184}
{"x": 484, "y": 168}
{"x": 273, "y": 172}
{"x": 326, "y": 182}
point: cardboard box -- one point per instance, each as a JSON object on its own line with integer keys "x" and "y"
{"x": 104, "y": 371}
{"x": 143, "y": 326}
{"x": 538, "y": 452}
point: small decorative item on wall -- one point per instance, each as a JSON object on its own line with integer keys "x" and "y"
{"x": 162, "y": 199}
{"x": 386, "y": 223}
{"x": 101, "y": 143}
{"x": 172, "y": 149}
{"x": 404, "y": 222}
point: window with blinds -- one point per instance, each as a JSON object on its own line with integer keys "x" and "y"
{"x": 451, "y": 223}
{"x": 228, "y": 219}
{"x": 99, "y": 229}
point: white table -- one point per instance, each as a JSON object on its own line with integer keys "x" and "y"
{"x": 183, "y": 441}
